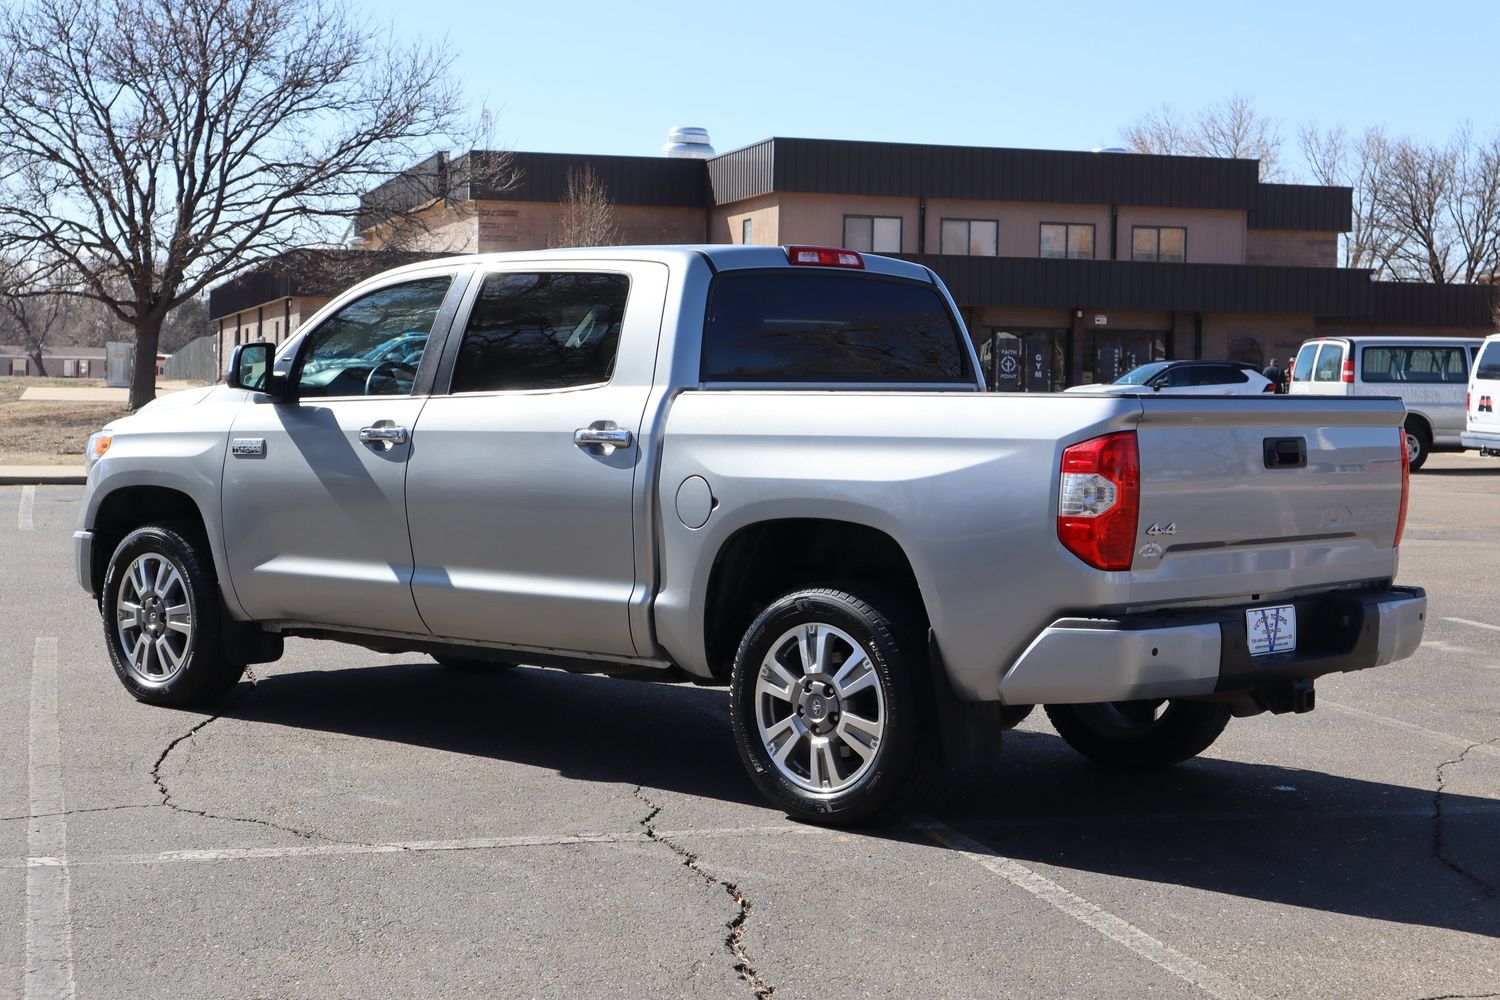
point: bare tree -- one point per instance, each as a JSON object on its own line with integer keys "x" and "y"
{"x": 588, "y": 216}
{"x": 1364, "y": 166}
{"x": 171, "y": 142}
{"x": 1422, "y": 183}
{"x": 30, "y": 309}
{"x": 1229, "y": 128}
{"x": 1474, "y": 206}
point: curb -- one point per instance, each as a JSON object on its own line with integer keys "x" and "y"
{"x": 17, "y": 477}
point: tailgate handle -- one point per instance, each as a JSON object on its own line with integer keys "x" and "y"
{"x": 1286, "y": 453}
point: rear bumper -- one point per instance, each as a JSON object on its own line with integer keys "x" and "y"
{"x": 1205, "y": 651}
{"x": 1480, "y": 440}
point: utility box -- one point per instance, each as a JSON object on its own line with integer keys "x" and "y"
{"x": 119, "y": 359}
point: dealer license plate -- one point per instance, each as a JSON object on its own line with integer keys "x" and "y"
{"x": 1272, "y": 630}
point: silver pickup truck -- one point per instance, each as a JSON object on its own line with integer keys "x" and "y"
{"x": 768, "y": 468}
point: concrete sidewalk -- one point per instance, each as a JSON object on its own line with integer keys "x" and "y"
{"x": 43, "y": 475}
{"x": 94, "y": 393}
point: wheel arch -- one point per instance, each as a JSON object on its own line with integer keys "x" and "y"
{"x": 122, "y": 510}
{"x": 766, "y": 559}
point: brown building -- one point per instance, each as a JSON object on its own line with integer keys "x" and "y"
{"x": 1069, "y": 267}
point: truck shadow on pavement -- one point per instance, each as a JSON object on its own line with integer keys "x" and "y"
{"x": 1256, "y": 831}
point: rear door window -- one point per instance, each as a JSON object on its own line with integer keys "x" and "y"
{"x": 788, "y": 325}
{"x": 1302, "y": 370}
{"x": 542, "y": 331}
{"x": 1330, "y": 363}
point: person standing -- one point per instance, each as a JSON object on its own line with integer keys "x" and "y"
{"x": 1276, "y": 374}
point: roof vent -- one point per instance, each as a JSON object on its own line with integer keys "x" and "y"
{"x": 687, "y": 142}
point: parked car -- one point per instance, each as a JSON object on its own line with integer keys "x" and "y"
{"x": 1188, "y": 378}
{"x": 1428, "y": 374}
{"x": 1482, "y": 424}
{"x": 769, "y": 468}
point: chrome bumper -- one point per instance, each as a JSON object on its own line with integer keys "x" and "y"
{"x": 83, "y": 560}
{"x": 1081, "y": 660}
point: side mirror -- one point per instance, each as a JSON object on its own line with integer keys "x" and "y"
{"x": 250, "y": 368}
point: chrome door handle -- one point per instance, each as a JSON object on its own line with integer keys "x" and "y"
{"x": 383, "y": 434}
{"x": 608, "y": 438}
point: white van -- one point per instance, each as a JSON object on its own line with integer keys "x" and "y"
{"x": 1482, "y": 429}
{"x": 1430, "y": 374}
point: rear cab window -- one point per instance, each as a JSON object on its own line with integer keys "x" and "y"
{"x": 801, "y": 326}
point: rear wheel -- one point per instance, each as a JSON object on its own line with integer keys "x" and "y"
{"x": 1140, "y": 734}
{"x": 830, "y": 707}
{"x": 1418, "y": 445}
{"x": 162, "y": 618}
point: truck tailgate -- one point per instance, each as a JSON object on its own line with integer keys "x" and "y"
{"x": 1251, "y": 498}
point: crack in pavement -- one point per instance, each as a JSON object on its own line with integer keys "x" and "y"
{"x": 79, "y": 812}
{"x": 1461, "y": 996}
{"x": 1437, "y": 826}
{"x": 166, "y": 795}
{"x": 734, "y": 942}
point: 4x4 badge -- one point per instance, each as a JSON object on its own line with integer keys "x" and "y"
{"x": 1170, "y": 528}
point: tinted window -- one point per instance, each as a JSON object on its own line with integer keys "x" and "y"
{"x": 1488, "y": 365}
{"x": 542, "y": 331}
{"x": 1330, "y": 364}
{"x": 788, "y": 326}
{"x": 1221, "y": 375}
{"x": 1141, "y": 375}
{"x": 373, "y": 345}
{"x": 1413, "y": 363}
{"x": 1302, "y": 370}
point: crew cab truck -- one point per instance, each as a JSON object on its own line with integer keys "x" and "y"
{"x": 769, "y": 468}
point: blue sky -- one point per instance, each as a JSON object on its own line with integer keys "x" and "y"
{"x": 586, "y": 76}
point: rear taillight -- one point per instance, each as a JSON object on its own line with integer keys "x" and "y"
{"x": 1405, "y": 488}
{"x": 825, "y": 257}
{"x": 1098, "y": 500}
{"x": 1348, "y": 375}
{"x": 1268, "y": 387}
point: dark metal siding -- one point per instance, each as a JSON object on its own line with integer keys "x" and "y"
{"x": 1399, "y": 303}
{"x": 304, "y": 272}
{"x": 743, "y": 173}
{"x": 630, "y": 180}
{"x": 1302, "y": 206}
{"x": 407, "y": 190}
{"x": 903, "y": 170}
{"x": 1111, "y": 284}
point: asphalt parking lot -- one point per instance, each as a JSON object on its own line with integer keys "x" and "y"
{"x": 352, "y": 824}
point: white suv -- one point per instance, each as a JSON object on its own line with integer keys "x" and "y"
{"x": 1429, "y": 374}
{"x": 1482, "y": 427}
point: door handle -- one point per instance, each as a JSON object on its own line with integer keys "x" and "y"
{"x": 603, "y": 435}
{"x": 384, "y": 434}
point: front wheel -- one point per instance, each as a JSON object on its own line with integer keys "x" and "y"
{"x": 829, "y": 706}
{"x": 1140, "y": 734}
{"x": 162, "y": 618}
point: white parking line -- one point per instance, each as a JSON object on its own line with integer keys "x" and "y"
{"x": 28, "y": 501}
{"x": 1465, "y": 621}
{"x": 49, "y": 925}
{"x": 1117, "y": 929}
{"x": 1477, "y": 746}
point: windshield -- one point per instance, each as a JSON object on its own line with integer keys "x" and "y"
{"x": 1141, "y": 375}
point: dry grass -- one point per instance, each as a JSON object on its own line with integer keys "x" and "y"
{"x": 48, "y": 433}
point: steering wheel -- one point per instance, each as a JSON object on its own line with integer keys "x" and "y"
{"x": 402, "y": 376}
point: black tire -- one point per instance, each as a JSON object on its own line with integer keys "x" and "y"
{"x": 901, "y": 757}
{"x": 191, "y": 666}
{"x": 471, "y": 664}
{"x": 1418, "y": 444}
{"x": 1140, "y": 734}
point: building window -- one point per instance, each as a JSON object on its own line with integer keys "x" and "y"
{"x": 745, "y": 232}
{"x": 972, "y": 237}
{"x": 873, "y": 233}
{"x": 1164, "y": 243}
{"x": 1068, "y": 239}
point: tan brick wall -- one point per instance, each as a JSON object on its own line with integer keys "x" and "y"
{"x": 726, "y": 221}
{"x": 1291, "y": 247}
{"x": 274, "y": 322}
{"x": 437, "y": 228}
{"x": 530, "y": 225}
